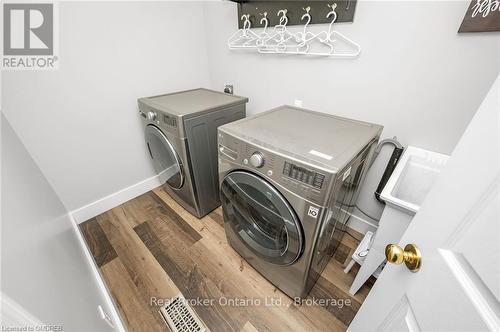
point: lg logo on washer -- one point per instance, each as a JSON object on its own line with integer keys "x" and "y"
{"x": 313, "y": 212}
{"x": 29, "y": 36}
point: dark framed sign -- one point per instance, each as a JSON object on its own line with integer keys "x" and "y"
{"x": 481, "y": 16}
{"x": 295, "y": 9}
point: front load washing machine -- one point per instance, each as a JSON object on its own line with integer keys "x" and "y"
{"x": 180, "y": 130}
{"x": 289, "y": 179}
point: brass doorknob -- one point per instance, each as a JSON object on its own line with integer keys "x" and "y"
{"x": 410, "y": 255}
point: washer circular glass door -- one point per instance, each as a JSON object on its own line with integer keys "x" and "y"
{"x": 165, "y": 160}
{"x": 261, "y": 218}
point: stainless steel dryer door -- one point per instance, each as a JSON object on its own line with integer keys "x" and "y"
{"x": 165, "y": 160}
{"x": 261, "y": 218}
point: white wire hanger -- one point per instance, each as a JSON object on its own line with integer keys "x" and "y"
{"x": 303, "y": 35}
{"x": 282, "y": 41}
{"x": 263, "y": 36}
{"x": 243, "y": 38}
{"x": 331, "y": 34}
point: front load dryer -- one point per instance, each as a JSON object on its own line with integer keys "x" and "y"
{"x": 289, "y": 179}
{"x": 180, "y": 130}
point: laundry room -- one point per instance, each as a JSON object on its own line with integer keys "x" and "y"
{"x": 250, "y": 165}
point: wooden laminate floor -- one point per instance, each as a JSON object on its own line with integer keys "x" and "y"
{"x": 150, "y": 249}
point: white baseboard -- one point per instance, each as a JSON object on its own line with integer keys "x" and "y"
{"x": 14, "y": 315}
{"x": 107, "y": 203}
{"x": 110, "y": 305}
{"x": 361, "y": 224}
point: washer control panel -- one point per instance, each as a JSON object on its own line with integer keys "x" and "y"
{"x": 296, "y": 177}
{"x": 304, "y": 175}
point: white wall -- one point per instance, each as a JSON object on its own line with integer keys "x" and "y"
{"x": 43, "y": 270}
{"x": 80, "y": 122}
{"x": 415, "y": 75}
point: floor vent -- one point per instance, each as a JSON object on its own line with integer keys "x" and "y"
{"x": 180, "y": 317}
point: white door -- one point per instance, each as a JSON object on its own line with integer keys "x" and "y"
{"x": 457, "y": 231}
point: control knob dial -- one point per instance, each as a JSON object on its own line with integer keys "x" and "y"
{"x": 151, "y": 116}
{"x": 257, "y": 160}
